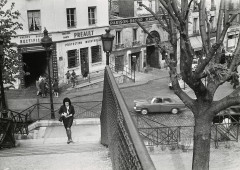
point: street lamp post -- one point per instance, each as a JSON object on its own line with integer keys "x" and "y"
{"x": 4, "y": 106}
{"x": 46, "y": 42}
{"x": 107, "y": 41}
{"x": 134, "y": 59}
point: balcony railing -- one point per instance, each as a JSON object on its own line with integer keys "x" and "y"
{"x": 35, "y": 28}
{"x": 136, "y": 43}
{"x": 119, "y": 46}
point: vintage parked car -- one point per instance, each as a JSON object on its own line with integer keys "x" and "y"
{"x": 158, "y": 104}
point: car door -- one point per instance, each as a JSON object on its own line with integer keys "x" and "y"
{"x": 166, "y": 105}
{"x": 156, "y": 105}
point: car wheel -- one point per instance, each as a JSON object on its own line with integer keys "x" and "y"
{"x": 174, "y": 111}
{"x": 144, "y": 111}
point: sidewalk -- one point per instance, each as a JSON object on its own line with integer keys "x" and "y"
{"x": 140, "y": 79}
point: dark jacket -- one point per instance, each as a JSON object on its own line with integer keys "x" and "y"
{"x": 63, "y": 109}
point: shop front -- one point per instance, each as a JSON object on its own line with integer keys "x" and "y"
{"x": 83, "y": 56}
{"x": 79, "y": 50}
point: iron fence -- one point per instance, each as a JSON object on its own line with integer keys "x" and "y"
{"x": 42, "y": 111}
{"x": 119, "y": 132}
{"x": 155, "y": 133}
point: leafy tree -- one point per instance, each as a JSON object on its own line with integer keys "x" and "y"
{"x": 174, "y": 19}
{"x": 8, "y": 27}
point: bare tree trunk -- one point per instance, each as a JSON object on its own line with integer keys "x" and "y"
{"x": 202, "y": 137}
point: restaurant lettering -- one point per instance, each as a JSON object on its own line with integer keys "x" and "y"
{"x": 131, "y": 20}
{"x": 83, "y": 34}
{"x": 30, "y": 39}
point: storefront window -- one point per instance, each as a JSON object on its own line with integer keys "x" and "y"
{"x": 96, "y": 54}
{"x": 73, "y": 58}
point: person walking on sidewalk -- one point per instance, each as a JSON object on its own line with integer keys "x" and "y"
{"x": 67, "y": 112}
{"x": 73, "y": 78}
{"x": 38, "y": 87}
{"x": 55, "y": 88}
{"x": 68, "y": 75}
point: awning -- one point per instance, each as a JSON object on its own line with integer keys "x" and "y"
{"x": 196, "y": 43}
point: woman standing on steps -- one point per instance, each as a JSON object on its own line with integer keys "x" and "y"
{"x": 67, "y": 112}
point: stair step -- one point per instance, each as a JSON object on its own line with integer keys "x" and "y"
{"x": 44, "y": 149}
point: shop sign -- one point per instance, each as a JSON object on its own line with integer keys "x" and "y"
{"x": 131, "y": 20}
{"x": 30, "y": 39}
{"x": 80, "y": 42}
{"x": 58, "y": 36}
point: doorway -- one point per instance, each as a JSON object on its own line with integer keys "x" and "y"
{"x": 34, "y": 65}
{"x": 137, "y": 66}
{"x": 119, "y": 63}
{"x": 153, "y": 57}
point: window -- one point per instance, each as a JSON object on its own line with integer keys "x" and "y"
{"x": 195, "y": 20}
{"x": 211, "y": 23}
{"x": 91, "y": 15}
{"x": 71, "y": 17}
{"x": 118, "y": 37}
{"x": 96, "y": 54}
{"x": 150, "y": 5}
{"x": 34, "y": 23}
{"x": 134, "y": 34}
{"x": 213, "y": 6}
{"x": 195, "y": 6}
{"x": 73, "y": 58}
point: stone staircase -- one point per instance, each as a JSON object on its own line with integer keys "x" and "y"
{"x": 48, "y": 149}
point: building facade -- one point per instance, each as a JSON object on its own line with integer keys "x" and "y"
{"x": 75, "y": 27}
{"x": 231, "y": 39}
{"x": 131, "y": 44}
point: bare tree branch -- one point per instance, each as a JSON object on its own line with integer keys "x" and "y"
{"x": 202, "y": 19}
{"x": 188, "y": 9}
{"x": 170, "y": 12}
{"x": 157, "y": 18}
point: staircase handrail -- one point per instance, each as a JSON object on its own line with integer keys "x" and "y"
{"x": 118, "y": 130}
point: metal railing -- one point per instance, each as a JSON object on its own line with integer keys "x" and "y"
{"x": 155, "y": 133}
{"x": 42, "y": 111}
{"x": 96, "y": 77}
{"x": 126, "y": 71}
{"x": 119, "y": 132}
